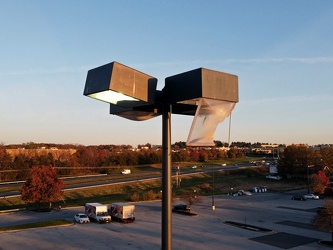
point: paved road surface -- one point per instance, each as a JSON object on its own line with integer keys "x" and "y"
{"x": 289, "y": 219}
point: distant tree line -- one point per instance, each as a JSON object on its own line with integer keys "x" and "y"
{"x": 296, "y": 161}
{"x": 100, "y": 159}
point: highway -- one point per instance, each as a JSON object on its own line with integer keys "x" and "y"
{"x": 93, "y": 180}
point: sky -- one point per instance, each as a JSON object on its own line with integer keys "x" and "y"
{"x": 281, "y": 51}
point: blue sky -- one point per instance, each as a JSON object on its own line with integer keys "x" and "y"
{"x": 281, "y": 51}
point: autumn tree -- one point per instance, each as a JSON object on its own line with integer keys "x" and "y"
{"x": 319, "y": 182}
{"x": 5, "y": 159}
{"x": 42, "y": 186}
{"x": 232, "y": 153}
{"x": 324, "y": 218}
{"x": 216, "y": 154}
{"x": 185, "y": 155}
{"x": 145, "y": 157}
{"x": 327, "y": 157}
{"x": 295, "y": 160}
{"x": 235, "y": 153}
{"x": 21, "y": 163}
{"x": 203, "y": 156}
{"x": 194, "y": 155}
{"x": 86, "y": 157}
{"x": 5, "y": 163}
{"x": 176, "y": 157}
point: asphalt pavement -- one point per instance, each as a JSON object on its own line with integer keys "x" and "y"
{"x": 288, "y": 221}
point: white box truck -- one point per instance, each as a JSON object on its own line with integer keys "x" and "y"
{"x": 123, "y": 212}
{"x": 98, "y": 212}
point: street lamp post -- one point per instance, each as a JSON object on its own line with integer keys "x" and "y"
{"x": 213, "y": 189}
{"x": 166, "y": 178}
{"x": 307, "y": 168}
{"x": 208, "y": 95}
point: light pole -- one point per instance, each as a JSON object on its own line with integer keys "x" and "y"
{"x": 208, "y": 95}
{"x": 166, "y": 178}
{"x": 307, "y": 167}
{"x": 178, "y": 176}
{"x": 213, "y": 187}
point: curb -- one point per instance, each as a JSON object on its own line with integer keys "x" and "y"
{"x": 12, "y": 210}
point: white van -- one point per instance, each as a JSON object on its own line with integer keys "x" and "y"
{"x": 126, "y": 171}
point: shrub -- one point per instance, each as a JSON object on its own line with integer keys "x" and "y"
{"x": 150, "y": 195}
{"x": 134, "y": 197}
{"x": 206, "y": 188}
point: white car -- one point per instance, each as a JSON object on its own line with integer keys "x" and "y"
{"x": 274, "y": 177}
{"x": 193, "y": 167}
{"x": 126, "y": 171}
{"x": 311, "y": 196}
{"x": 81, "y": 218}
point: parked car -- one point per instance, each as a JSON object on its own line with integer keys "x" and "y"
{"x": 81, "y": 218}
{"x": 274, "y": 177}
{"x": 242, "y": 192}
{"x": 299, "y": 198}
{"x": 312, "y": 196}
{"x": 181, "y": 207}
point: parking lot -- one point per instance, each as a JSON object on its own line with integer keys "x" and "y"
{"x": 289, "y": 221}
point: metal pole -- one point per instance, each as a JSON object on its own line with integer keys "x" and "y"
{"x": 177, "y": 179}
{"x": 308, "y": 179}
{"x": 166, "y": 179}
{"x": 213, "y": 201}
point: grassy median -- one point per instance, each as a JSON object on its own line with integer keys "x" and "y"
{"x": 49, "y": 223}
{"x": 224, "y": 183}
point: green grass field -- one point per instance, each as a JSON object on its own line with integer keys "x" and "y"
{"x": 50, "y": 223}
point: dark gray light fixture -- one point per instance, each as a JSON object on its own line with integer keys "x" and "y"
{"x": 120, "y": 85}
{"x": 208, "y": 95}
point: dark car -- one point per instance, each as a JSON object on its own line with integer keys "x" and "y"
{"x": 299, "y": 198}
{"x": 181, "y": 207}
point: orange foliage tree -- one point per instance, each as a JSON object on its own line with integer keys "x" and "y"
{"x": 319, "y": 182}
{"x": 42, "y": 186}
{"x": 324, "y": 218}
